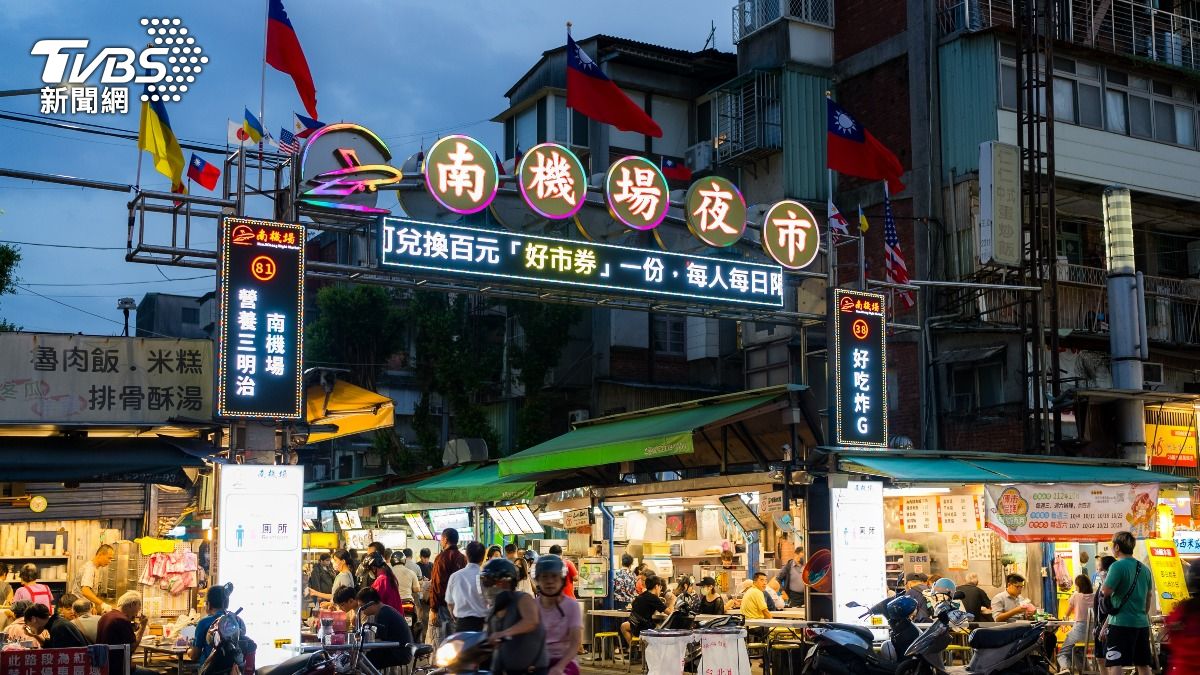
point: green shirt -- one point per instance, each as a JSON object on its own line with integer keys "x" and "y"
{"x": 1132, "y": 612}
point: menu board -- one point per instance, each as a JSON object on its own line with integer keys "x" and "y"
{"x": 741, "y": 512}
{"x": 979, "y": 545}
{"x": 958, "y": 513}
{"x": 919, "y": 514}
{"x": 593, "y": 578}
{"x": 576, "y": 519}
{"x": 859, "y": 572}
{"x": 416, "y": 523}
{"x": 957, "y": 557}
{"x": 259, "y": 540}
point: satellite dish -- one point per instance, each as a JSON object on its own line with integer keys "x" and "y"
{"x": 754, "y": 218}
{"x": 412, "y": 165}
{"x": 420, "y": 205}
{"x": 594, "y": 222}
{"x": 673, "y": 236}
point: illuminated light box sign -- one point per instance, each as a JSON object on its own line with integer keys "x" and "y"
{"x": 453, "y": 250}
{"x": 637, "y": 192}
{"x": 716, "y": 211}
{"x": 461, "y": 174}
{"x": 261, "y": 338}
{"x": 552, "y": 181}
{"x": 343, "y": 167}
{"x": 860, "y": 356}
{"x": 259, "y": 540}
{"x": 790, "y": 234}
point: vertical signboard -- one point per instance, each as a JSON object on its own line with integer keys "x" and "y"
{"x": 999, "y": 204}
{"x": 860, "y": 355}
{"x": 1169, "y": 581}
{"x": 259, "y": 550}
{"x": 859, "y": 569}
{"x": 261, "y": 318}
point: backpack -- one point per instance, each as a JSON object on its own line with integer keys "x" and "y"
{"x": 232, "y": 650}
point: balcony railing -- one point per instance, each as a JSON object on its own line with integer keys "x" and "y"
{"x": 1118, "y": 26}
{"x": 1172, "y": 305}
{"x": 749, "y": 118}
{"x": 751, "y": 15}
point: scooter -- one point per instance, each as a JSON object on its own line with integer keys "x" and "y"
{"x": 846, "y": 649}
{"x": 354, "y": 661}
{"x": 999, "y": 650}
{"x": 691, "y": 659}
{"x": 468, "y": 652}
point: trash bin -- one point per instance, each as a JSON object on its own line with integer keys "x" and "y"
{"x": 665, "y": 650}
{"x": 723, "y": 650}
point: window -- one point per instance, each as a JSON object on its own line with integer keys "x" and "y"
{"x": 669, "y": 334}
{"x": 1104, "y": 98}
{"x": 562, "y": 121}
{"x": 190, "y": 315}
{"x": 977, "y": 386}
{"x": 1070, "y": 242}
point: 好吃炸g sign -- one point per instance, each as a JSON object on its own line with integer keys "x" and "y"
{"x": 260, "y": 345}
{"x": 455, "y": 250}
{"x": 860, "y": 355}
{"x": 1066, "y": 512}
{"x": 69, "y": 379}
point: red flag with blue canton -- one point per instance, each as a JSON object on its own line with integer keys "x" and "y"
{"x": 590, "y": 92}
{"x": 285, "y": 55}
{"x": 203, "y": 173}
{"x": 674, "y": 169}
{"x": 893, "y": 256}
{"x": 852, "y": 150}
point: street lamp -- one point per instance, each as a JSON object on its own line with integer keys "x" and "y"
{"x": 126, "y": 304}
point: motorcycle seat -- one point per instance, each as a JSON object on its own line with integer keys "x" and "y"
{"x": 419, "y": 650}
{"x": 294, "y": 665}
{"x": 996, "y": 636}
{"x": 857, "y": 630}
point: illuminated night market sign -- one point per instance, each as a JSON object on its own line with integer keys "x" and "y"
{"x": 860, "y": 358}
{"x": 260, "y": 345}
{"x": 455, "y": 250}
{"x": 344, "y": 166}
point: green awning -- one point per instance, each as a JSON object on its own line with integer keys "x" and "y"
{"x": 627, "y": 438}
{"x": 471, "y": 484}
{"x": 972, "y": 470}
{"x": 329, "y": 493}
{"x": 918, "y": 469}
{"x": 1056, "y": 472}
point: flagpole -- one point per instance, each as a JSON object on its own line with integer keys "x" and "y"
{"x": 262, "y": 89}
{"x": 830, "y": 262}
{"x": 862, "y": 258}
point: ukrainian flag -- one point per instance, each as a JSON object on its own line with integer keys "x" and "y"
{"x": 252, "y": 127}
{"x": 155, "y": 136}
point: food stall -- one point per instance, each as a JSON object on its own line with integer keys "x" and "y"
{"x": 952, "y": 514}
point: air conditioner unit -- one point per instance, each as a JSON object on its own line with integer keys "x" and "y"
{"x": 699, "y": 157}
{"x": 1152, "y": 375}
{"x": 577, "y": 416}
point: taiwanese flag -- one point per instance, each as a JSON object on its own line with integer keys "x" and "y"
{"x": 675, "y": 169}
{"x": 285, "y": 55}
{"x": 595, "y": 96}
{"x": 203, "y": 173}
{"x": 852, "y": 150}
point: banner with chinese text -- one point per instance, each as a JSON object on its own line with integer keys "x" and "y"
{"x": 1065, "y": 512}
{"x": 69, "y": 661}
{"x": 1168, "y": 573}
{"x": 83, "y": 379}
{"x": 1171, "y": 437}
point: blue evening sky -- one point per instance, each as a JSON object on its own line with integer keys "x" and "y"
{"x": 407, "y": 69}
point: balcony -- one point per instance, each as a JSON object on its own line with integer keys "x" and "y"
{"x": 1116, "y": 26}
{"x": 749, "y": 118}
{"x": 1172, "y": 305}
{"x": 752, "y": 15}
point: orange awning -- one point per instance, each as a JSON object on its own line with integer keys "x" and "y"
{"x": 351, "y": 409}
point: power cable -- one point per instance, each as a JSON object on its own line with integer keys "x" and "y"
{"x": 47, "y": 245}
{"x": 78, "y": 309}
{"x": 127, "y": 283}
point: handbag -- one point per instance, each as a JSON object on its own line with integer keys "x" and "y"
{"x": 1112, "y": 610}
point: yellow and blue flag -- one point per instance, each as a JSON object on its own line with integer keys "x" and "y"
{"x": 863, "y": 225}
{"x": 156, "y": 137}
{"x": 252, "y": 127}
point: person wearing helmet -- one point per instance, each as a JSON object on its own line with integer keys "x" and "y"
{"x": 514, "y": 623}
{"x": 562, "y": 616}
{"x": 572, "y": 572}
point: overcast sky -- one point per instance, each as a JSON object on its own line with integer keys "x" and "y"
{"x": 409, "y": 70}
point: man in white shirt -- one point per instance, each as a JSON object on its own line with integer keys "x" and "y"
{"x": 88, "y": 581}
{"x": 463, "y": 595}
{"x": 406, "y": 582}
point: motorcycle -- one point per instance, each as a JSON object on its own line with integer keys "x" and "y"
{"x": 468, "y": 652}
{"x": 842, "y": 648}
{"x": 998, "y": 650}
{"x": 691, "y": 658}
{"x": 352, "y": 660}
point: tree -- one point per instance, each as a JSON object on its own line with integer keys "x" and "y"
{"x": 546, "y": 328}
{"x": 10, "y": 257}
{"x": 357, "y": 328}
{"x": 456, "y": 359}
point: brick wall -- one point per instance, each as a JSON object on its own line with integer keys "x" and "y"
{"x": 864, "y": 23}
{"x": 878, "y": 99}
{"x": 995, "y": 432}
{"x": 631, "y": 364}
{"x": 904, "y": 390}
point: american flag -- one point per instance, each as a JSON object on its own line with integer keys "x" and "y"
{"x": 288, "y": 142}
{"x": 897, "y": 271}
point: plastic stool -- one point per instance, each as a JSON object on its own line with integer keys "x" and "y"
{"x": 606, "y": 643}
{"x": 960, "y": 652}
{"x": 635, "y": 643}
{"x": 788, "y": 647}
